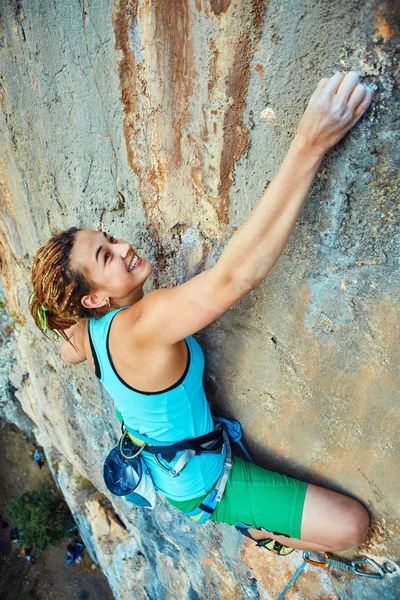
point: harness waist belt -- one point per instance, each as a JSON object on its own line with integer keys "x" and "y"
{"x": 196, "y": 444}
{"x": 212, "y": 442}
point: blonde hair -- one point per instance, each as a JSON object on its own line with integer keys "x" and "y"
{"x": 58, "y": 289}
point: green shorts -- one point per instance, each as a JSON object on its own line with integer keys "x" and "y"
{"x": 259, "y": 498}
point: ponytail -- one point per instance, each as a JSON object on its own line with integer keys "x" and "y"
{"x": 55, "y": 304}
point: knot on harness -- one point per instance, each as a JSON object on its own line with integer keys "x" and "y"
{"x": 234, "y": 431}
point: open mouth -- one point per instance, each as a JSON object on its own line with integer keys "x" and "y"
{"x": 135, "y": 262}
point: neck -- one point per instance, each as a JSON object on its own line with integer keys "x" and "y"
{"x": 128, "y": 300}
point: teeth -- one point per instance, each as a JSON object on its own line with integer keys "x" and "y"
{"x": 133, "y": 263}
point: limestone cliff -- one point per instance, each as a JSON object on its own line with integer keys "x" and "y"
{"x": 172, "y": 116}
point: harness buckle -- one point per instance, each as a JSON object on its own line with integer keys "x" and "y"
{"x": 228, "y": 463}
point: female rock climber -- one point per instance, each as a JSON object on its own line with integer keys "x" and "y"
{"x": 88, "y": 287}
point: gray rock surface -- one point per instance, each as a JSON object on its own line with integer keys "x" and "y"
{"x": 173, "y": 116}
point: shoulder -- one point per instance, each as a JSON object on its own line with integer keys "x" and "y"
{"x": 74, "y": 352}
{"x": 164, "y": 317}
{"x": 79, "y": 334}
{"x": 126, "y": 323}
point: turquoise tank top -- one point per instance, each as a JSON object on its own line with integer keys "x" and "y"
{"x": 178, "y": 413}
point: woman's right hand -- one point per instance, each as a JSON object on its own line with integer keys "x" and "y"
{"x": 334, "y": 108}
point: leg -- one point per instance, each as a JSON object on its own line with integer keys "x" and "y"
{"x": 330, "y": 521}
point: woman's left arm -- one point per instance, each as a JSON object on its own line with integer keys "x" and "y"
{"x": 73, "y": 351}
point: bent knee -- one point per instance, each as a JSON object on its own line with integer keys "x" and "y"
{"x": 355, "y": 525}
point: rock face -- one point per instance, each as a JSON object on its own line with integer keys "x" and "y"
{"x": 172, "y": 117}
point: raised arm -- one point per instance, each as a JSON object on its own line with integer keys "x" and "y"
{"x": 335, "y": 107}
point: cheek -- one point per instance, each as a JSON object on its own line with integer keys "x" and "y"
{"x": 148, "y": 271}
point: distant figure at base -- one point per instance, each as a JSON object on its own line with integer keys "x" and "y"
{"x": 27, "y": 552}
{"x": 74, "y": 553}
{"x": 38, "y": 457}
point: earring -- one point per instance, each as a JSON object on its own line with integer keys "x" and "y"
{"x": 108, "y": 303}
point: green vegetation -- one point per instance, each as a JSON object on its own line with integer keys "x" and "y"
{"x": 46, "y": 418}
{"x": 43, "y": 516}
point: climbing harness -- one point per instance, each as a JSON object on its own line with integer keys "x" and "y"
{"x": 126, "y": 474}
{"x": 209, "y": 443}
{"x": 231, "y": 431}
{"x": 203, "y": 512}
{"x": 375, "y": 571}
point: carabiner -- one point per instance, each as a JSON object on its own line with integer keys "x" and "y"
{"x": 389, "y": 566}
{"x": 307, "y": 559}
{"x": 355, "y": 563}
{"x": 121, "y": 445}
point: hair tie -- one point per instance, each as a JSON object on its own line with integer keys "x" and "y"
{"x": 41, "y": 312}
{"x": 42, "y": 317}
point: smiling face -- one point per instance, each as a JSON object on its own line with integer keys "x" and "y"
{"x": 117, "y": 274}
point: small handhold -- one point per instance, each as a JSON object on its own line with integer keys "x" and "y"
{"x": 268, "y": 115}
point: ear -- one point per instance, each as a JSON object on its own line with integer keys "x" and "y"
{"x": 93, "y": 301}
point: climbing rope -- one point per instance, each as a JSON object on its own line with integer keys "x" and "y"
{"x": 291, "y": 582}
